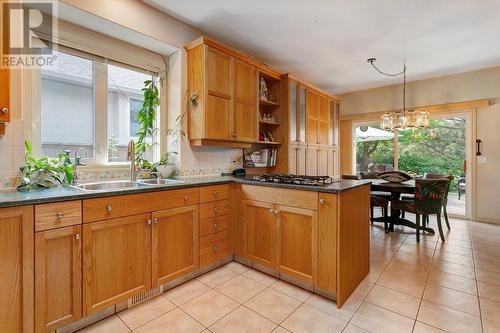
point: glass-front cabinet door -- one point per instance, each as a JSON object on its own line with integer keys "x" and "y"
{"x": 292, "y": 106}
{"x": 336, "y": 125}
{"x": 331, "y": 108}
{"x": 302, "y": 114}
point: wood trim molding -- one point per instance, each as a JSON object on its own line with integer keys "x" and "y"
{"x": 431, "y": 108}
{"x": 310, "y": 85}
{"x": 210, "y": 42}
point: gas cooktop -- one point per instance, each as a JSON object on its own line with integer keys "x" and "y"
{"x": 293, "y": 179}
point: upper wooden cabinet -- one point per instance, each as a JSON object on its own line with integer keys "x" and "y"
{"x": 323, "y": 120}
{"x": 4, "y": 91}
{"x": 226, "y": 85}
{"x": 16, "y": 275}
{"x": 312, "y": 116}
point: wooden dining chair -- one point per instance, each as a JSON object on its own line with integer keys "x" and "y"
{"x": 445, "y": 204}
{"x": 383, "y": 203}
{"x": 430, "y": 195}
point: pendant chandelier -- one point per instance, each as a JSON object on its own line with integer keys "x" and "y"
{"x": 402, "y": 119}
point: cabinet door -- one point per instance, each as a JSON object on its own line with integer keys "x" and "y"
{"x": 116, "y": 261}
{"x": 293, "y": 151}
{"x": 323, "y": 120}
{"x": 259, "y": 232}
{"x": 4, "y": 91}
{"x": 296, "y": 242}
{"x": 218, "y": 105}
{"x": 301, "y": 160}
{"x": 302, "y": 114}
{"x": 245, "y": 102}
{"x": 322, "y": 161}
{"x": 58, "y": 282}
{"x": 312, "y": 160}
{"x": 327, "y": 242}
{"x": 292, "y": 111}
{"x": 175, "y": 243}
{"x": 330, "y": 156}
{"x": 312, "y": 114}
{"x": 16, "y": 273}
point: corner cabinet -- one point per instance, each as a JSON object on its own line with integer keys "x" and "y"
{"x": 225, "y": 83}
{"x": 16, "y": 275}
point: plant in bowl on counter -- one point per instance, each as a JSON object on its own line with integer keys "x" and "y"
{"x": 44, "y": 172}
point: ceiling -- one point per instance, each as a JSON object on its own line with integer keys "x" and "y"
{"x": 327, "y": 42}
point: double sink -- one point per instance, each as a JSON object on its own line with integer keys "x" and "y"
{"x": 125, "y": 184}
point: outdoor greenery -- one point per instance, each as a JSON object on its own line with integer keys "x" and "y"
{"x": 437, "y": 149}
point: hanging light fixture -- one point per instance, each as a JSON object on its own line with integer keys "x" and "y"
{"x": 402, "y": 119}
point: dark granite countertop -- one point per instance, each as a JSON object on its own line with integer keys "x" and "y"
{"x": 11, "y": 198}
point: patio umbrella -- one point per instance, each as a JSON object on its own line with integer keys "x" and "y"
{"x": 372, "y": 134}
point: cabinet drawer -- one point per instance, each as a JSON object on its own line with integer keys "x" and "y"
{"x": 58, "y": 214}
{"x": 125, "y": 205}
{"x": 213, "y": 209}
{"x": 211, "y": 226}
{"x": 280, "y": 196}
{"x": 212, "y": 193}
{"x": 214, "y": 247}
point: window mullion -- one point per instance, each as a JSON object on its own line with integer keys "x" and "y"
{"x": 100, "y": 111}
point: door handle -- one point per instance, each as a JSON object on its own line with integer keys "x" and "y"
{"x": 478, "y": 151}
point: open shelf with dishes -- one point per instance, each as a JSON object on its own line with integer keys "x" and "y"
{"x": 269, "y": 109}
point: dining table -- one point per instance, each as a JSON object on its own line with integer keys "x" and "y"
{"x": 396, "y": 189}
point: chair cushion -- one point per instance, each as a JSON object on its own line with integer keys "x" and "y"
{"x": 405, "y": 205}
{"x": 376, "y": 201}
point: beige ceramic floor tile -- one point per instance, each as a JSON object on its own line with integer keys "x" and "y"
{"x": 448, "y": 319}
{"x": 243, "y": 320}
{"x": 490, "y": 310}
{"x": 453, "y": 281}
{"x": 142, "y": 313}
{"x": 453, "y": 299}
{"x": 308, "y": 319}
{"x": 209, "y": 307}
{"x": 291, "y": 290}
{"x": 280, "y": 329}
{"x": 491, "y": 326}
{"x": 217, "y": 276}
{"x": 402, "y": 283}
{"x": 376, "y": 319}
{"x": 110, "y": 324}
{"x": 344, "y": 313}
{"x": 452, "y": 268}
{"x": 395, "y": 301}
{"x": 241, "y": 288}
{"x": 260, "y": 277}
{"x": 487, "y": 265}
{"x": 236, "y": 267}
{"x": 350, "y": 328}
{"x": 489, "y": 291}
{"x": 424, "y": 328}
{"x": 173, "y": 321}
{"x": 186, "y": 292}
{"x": 454, "y": 258}
{"x": 363, "y": 289}
{"x": 273, "y": 305}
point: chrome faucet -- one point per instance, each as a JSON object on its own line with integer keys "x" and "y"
{"x": 131, "y": 158}
{"x": 78, "y": 162}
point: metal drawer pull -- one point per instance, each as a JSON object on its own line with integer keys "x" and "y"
{"x": 216, "y": 248}
{"x": 155, "y": 221}
{"x": 276, "y": 212}
{"x": 109, "y": 208}
{"x": 271, "y": 211}
{"x": 148, "y": 222}
{"x": 60, "y": 215}
{"x": 186, "y": 197}
{"x": 216, "y": 193}
{"x": 77, "y": 236}
{"x": 322, "y": 201}
{"x": 216, "y": 210}
{"x": 216, "y": 226}
{"x": 4, "y": 110}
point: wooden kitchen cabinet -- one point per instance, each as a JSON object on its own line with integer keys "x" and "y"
{"x": 323, "y": 119}
{"x": 58, "y": 278}
{"x": 312, "y": 160}
{"x": 16, "y": 274}
{"x": 296, "y": 242}
{"x": 327, "y": 242}
{"x": 312, "y": 116}
{"x": 175, "y": 243}
{"x": 4, "y": 91}
{"x": 116, "y": 261}
{"x": 245, "y": 102}
{"x": 259, "y": 232}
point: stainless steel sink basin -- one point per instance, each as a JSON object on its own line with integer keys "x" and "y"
{"x": 161, "y": 181}
{"x": 112, "y": 185}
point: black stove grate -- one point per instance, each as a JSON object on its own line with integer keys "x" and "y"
{"x": 293, "y": 179}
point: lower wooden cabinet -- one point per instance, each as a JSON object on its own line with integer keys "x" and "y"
{"x": 16, "y": 273}
{"x": 296, "y": 242}
{"x": 214, "y": 247}
{"x": 259, "y": 232}
{"x": 58, "y": 283}
{"x": 175, "y": 243}
{"x": 116, "y": 261}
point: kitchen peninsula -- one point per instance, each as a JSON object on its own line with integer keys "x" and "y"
{"x": 107, "y": 246}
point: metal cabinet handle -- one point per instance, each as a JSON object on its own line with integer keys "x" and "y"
{"x": 216, "y": 248}
{"x": 271, "y": 211}
{"x": 77, "y": 236}
{"x": 155, "y": 221}
{"x": 216, "y": 193}
{"x": 216, "y": 226}
{"x": 186, "y": 197}
{"x": 148, "y": 222}
{"x": 216, "y": 210}
{"x": 276, "y": 212}
{"x": 60, "y": 215}
{"x": 4, "y": 110}
{"x": 322, "y": 201}
{"x": 109, "y": 208}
